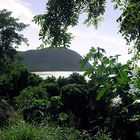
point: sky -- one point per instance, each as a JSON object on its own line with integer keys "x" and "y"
{"x": 105, "y": 36}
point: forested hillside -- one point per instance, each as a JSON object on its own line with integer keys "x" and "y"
{"x": 51, "y": 60}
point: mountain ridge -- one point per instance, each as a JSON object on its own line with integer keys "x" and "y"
{"x": 61, "y": 59}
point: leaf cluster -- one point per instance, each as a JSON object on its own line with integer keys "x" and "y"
{"x": 9, "y": 38}
{"x": 62, "y": 14}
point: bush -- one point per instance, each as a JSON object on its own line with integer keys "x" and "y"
{"x": 51, "y": 88}
{"x": 35, "y": 104}
{"x": 5, "y": 86}
{"x": 12, "y": 82}
{"x": 34, "y": 80}
{"x": 62, "y": 81}
{"x": 18, "y": 76}
{"x": 16, "y": 79}
{"x": 75, "y": 99}
{"x": 50, "y": 79}
{"x": 76, "y": 78}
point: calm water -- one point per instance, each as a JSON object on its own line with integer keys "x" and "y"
{"x": 56, "y": 74}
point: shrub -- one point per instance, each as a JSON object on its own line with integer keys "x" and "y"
{"x": 12, "y": 82}
{"x": 16, "y": 79}
{"x": 75, "y": 98}
{"x": 5, "y": 86}
{"x": 76, "y": 78}
{"x": 51, "y": 88}
{"x": 62, "y": 81}
{"x": 34, "y": 80}
{"x": 50, "y": 79}
{"x": 35, "y": 104}
{"x": 18, "y": 76}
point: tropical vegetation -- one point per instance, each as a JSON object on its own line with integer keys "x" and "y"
{"x": 104, "y": 107}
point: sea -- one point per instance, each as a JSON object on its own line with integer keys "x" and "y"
{"x": 56, "y": 74}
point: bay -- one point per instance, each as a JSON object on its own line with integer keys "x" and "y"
{"x": 56, "y": 74}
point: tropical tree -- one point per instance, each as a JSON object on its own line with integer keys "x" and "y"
{"x": 62, "y": 14}
{"x": 10, "y": 38}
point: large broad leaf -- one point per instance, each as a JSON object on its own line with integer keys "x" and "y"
{"x": 123, "y": 79}
{"x": 101, "y": 92}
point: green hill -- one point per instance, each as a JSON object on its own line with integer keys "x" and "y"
{"x": 51, "y": 60}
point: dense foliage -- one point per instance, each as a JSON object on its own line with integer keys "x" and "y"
{"x": 13, "y": 75}
{"x": 36, "y": 104}
{"x": 16, "y": 79}
{"x": 113, "y": 94}
{"x": 74, "y": 99}
{"x": 9, "y": 38}
{"x": 106, "y": 106}
{"x": 113, "y": 88}
{"x": 109, "y": 104}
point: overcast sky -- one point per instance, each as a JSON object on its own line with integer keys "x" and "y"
{"x": 106, "y": 36}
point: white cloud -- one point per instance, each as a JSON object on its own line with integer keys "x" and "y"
{"x": 20, "y": 9}
{"x": 95, "y": 34}
{"x": 85, "y": 38}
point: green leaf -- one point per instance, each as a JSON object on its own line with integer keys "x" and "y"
{"x": 63, "y": 117}
{"x": 123, "y": 79}
{"x": 101, "y": 92}
{"x": 41, "y": 46}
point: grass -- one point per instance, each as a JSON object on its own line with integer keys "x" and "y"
{"x": 22, "y": 131}
{"x": 25, "y": 131}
